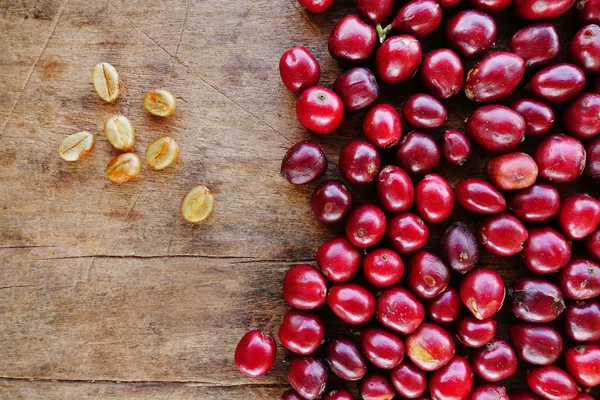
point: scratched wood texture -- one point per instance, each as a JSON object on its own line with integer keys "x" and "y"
{"x": 105, "y": 292}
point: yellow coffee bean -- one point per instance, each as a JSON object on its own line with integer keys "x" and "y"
{"x": 159, "y": 102}
{"x": 163, "y": 152}
{"x": 123, "y": 168}
{"x": 106, "y": 82}
{"x": 76, "y": 146}
{"x": 197, "y": 204}
{"x": 120, "y": 132}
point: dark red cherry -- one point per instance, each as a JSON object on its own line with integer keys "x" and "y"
{"x": 382, "y": 126}
{"x": 444, "y": 308}
{"x": 308, "y": 376}
{"x": 442, "y": 73}
{"x": 538, "y": 203}
{"x": 395, "y": 190}
{"x": 427, "y": 276}
{"x": 366, "y": 225}
{"x": 383, "y": 349}
{"x": 473, "y": 332}
{"x": 537, "y": 44}
{"x": 536, "y": 300}
{"x": 331, "y": 201}
{"x": 299, "y": 69}
{"x": 408, "y": 380}
{"x": 359, "y": 162}
{"x": 459, "y": 248}
{"x": 374, "y": 11}
{"x": 471, "y": 33}
{"x": 496, "y": 128}
{"x": 418, "y": 18}
{"x": 423, "y": 111}
{"x": 352, "y": 39}
{"x": 338, "y": 259}
{"x": 539, "y": 118}
{"x": 536, "y": 344}
{"x": 304, "y": 163}
{"x": 418, "y": 153}
{"x": 495, "y": 361}
{"x": 407, "y": 233}
{"x": 357, "y": 88}
{"x": 456, "y": 147}
{"x": 255, "y": 354}
{"x": 397, "y": 59}
{"x": 345, "y": 359}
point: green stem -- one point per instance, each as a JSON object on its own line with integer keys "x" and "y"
{"x": 382, "y": 32}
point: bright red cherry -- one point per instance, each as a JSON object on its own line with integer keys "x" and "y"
{"x": 255, "y": 354}
{"x": 299, "y": 69}
{"x": 319, "y": 110}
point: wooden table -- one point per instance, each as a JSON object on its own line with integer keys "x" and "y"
{"x": 105, "y": 292}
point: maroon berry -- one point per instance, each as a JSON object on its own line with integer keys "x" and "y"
{"x": 537, "y": 44}
{"x": 331, "y": 201}
{"x": 345, "y": 359}
{"x": 430, "y": 347}
{"x": 352, "y": 39}
{"x": 559, "y": 82}
{"x": 495, "y": 77}
{"x": 579, "y": 216}
{"x": 407, "y": 233}
{"x": 352, "y": 303}
{"x": 592, "y": 245}
{"x": 536, "y": 300}
{"x": 434, "y": 198}
{"x": 374, "y": 11}
{"x": 319, "y": 110}
{"x": 580, "y": 279}
{"x": 301, "y": 332}
{"x": 482, "y": 292}
{"x": 584, "y": 50}
{"x": 456, "y": 147}
{"x": 383, "y": 267}
{"x": 471, "y": 33}
{"x": 479, "y": 196}
{"x": 539, "y": 118}
{"x": 496, "y": 128}
{"x": 359, "y": 162}
{"x": 357, "y": 88}
{"x": 395, "y": 190}
{"x": 291, "y": 395}
{"x": 582, "y": 364}
{"x": 427, "y": 276}
{"x": 475, "y": 333}
{"x": 308, "y": 376}
{"x": 536, "y": 344}
{"x": 458, "y": 247}
{"x": 560, "y": 158}
{"x": 423, "y": 111}
{"x": 304, "y": 163}
{"x": 316, "y": 6}
{"x": 453, "y": 381}
{"x": 376, "y": 387}
{"x": 399, "y": 310}
{"x": 512, "y": 171}
{"x": 383, "y": 349}
{"x": 495, "y": 361}
{"x": 546, "y": 251}
{"x": 338, "y": 394}
{"x": 397, "y": 59}
{"x": 408, "y": 380}
{"x": 502, "y": 234}
{"x": 588, "y": 11}
{"x": 442, "y": 73}
{"x": 338, "y": 259}
{"x": 582, "y": 321}
{"x": 418, "y": 18}
{"x": 538, "y": 203}
{"x": 488, "y": 392}
{"x": 552, "y": 383}
{"x": 382, "y": 126}
{"x": 542, "y": 9}
{"x": 582, "y": 118}
{"x": 304, "y": 287}
{"x": 418, "y": 153}
{"x": 366, "y": 225}
{"x": 444, "y": 308}
{"x": 299, "y": 69}
{"x": 255, "y": 354}
{"x": 449, "y": 3}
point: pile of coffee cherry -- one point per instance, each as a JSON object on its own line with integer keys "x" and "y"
{"x": 413, "y": 334}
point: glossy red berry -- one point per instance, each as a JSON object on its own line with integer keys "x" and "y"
{"x": 512, "y": 171}
{"x": 445, "y": 307}
{"x": 496, "y": 128}
{"x": 319, "y": 110}
{"x": 580, "y": 279}
{"x": 539, "y": 118}
{"x": 423, "y": 111}
{"x": 456, "y": 147}
{"x": 351, "y": 303}
{"x": 560, "y": 158}
{"x": 338, "y": 259}
{"x": 338, "y": 394}
{"x": 376, "y": 387}
{"x": 479, "y": 196}
{"x": 475, "y": 333}
{"x": 502, "y": 234}
{"x": 399, "y": 310}
{"x": 536, "y": 344}
{"x": 406, "y": 233}
{"x": 357, "y": 88}
{"x": 408, "y": 380}
{"x": 430, "y": 347}
{"x": 382, "y": 126}
{"x": 546, "y": 251}
{"x": 383, "y": 267}
{"x": 495, "y": 77}
{"x": 352, "y": 39}
{"x": 418, "y": 153}
{"x": 581, "y": 116}
{"x": 395, "y": 189}
{"x": 542, "y": 9}
{"x": 459, "y": 248}
{"x": 383, "y": 349}
{"x": 316, "y": 6}
{"x": 374, "y": 11}
{"x": 582, "y": 321}
{"x": 308, "y": 376}
{"x": 582, "y": 363}
{"x": 304, "y": 287}
{"x": 397, "y": 59}
{"x": 301, "y": 332}
{"x": 471, "y": 33}
{"x": 331, "y": 201}
{"x": 488, "y": 392}
{"x": 552, "y": 383}
{"x": 588, "y": 11}
{"x": 537, "y": 44}
{"x": 255, "y": 354}
{"x": 366, "y": 225}
{"x": 345, "y": 359}
{"x": 427, "y": 276}
{"x": 579, "y": 216}
{"x": 299, "y": 69}
{"x": 434, "y": 198}
{"x": 538, "y": 203}
{"x": 453, "y": 381}
{"x": 442, "y": 73}
{"x": 482, "y": 292}
{"x": 592, "y": 167}
{"x": 359, "y": 162}
{"x": 559, "y": 82}
{"x": 584, "y": 50}
{"x": 291, "y": 395}
{"x": 418, "y": 18}
{"x": 495, "y": 361}
{"x": 536, "y": 300}
{"x": 490, "y": 6}
{"x": 304, "y": 163}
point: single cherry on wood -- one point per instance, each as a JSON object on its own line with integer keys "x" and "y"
{"x": 299, "y": 69}
{"x": 255, "y": 354}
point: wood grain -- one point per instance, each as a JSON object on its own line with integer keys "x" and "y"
{"x": 105, "y": 292}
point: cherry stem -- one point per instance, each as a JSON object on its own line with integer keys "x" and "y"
{"x": 382, "y": 32}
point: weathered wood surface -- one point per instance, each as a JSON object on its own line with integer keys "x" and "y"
{"x": 105, "y": 292}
